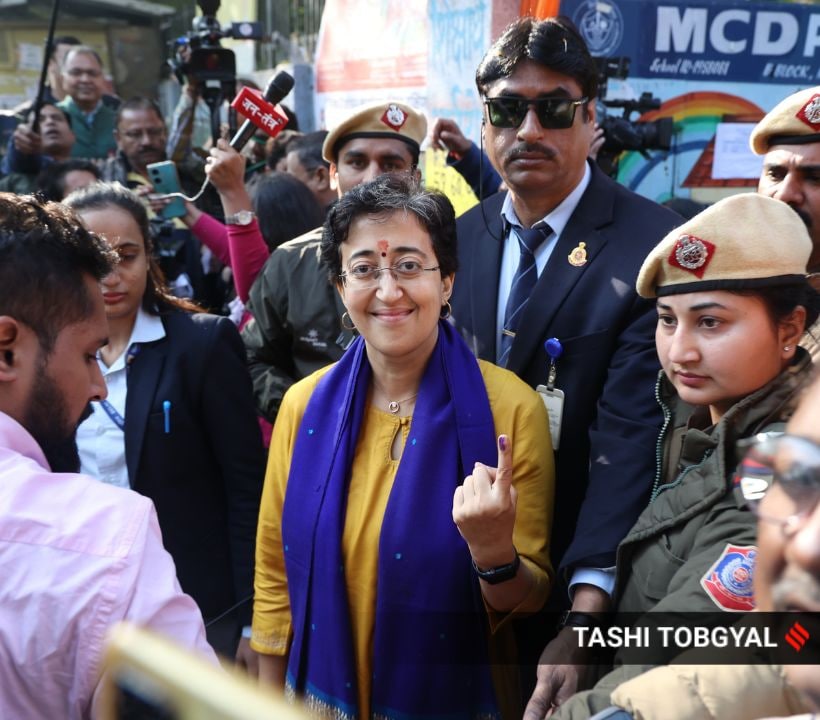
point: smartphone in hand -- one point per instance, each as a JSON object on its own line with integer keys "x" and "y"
{"x": 163, "y": 176}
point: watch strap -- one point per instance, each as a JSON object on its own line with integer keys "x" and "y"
{"x": 500, "y": 574}
{"x": 243, "y": 217}
{"x": 574, "y": 618}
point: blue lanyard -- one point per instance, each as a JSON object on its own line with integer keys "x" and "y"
{"x": 110, "y": 410}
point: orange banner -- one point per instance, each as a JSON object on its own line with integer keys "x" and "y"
{"x": 539, "y": 8}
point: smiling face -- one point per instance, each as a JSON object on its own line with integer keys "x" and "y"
{"x": 123, "y": 289}
{"x": 539, "y": 166}
{"x": 398, "y": 319}
{"x": 83, "y": 79}
{"x": 717, "y": 347}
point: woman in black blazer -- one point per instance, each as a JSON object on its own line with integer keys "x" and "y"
{"x": 179, "y": 424}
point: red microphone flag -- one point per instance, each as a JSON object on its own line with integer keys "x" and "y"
{"x": 252, "y": 105}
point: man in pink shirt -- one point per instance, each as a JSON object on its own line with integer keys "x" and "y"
{"x": 76, "y": 555}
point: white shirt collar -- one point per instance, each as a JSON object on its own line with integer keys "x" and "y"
{"x": 557, "y": 218}
{"x": 147, "y": 328}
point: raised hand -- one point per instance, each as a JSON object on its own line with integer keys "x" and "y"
{"x": 484, "y": 510}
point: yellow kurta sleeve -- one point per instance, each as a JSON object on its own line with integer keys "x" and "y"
{"x": 271, "y": 605}
{"x": 519, "y": 413}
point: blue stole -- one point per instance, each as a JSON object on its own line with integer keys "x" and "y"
{"x": 430, "y": 646}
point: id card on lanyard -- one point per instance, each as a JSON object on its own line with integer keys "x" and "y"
{"x": 110, "y": 410}
{"x": 552, "y": 396}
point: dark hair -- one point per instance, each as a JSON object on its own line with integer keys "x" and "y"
{"x": 382, "y": 198}
{"x": 63, "y": 40}
{"x": 554, "y": 43}
{"x": 83, "y": 50}
{"x": 99, "y": 196}
{"x": 57, "y": 107}
{"x": 139, "y": 102}
{"x": 308, "y": 149}
{"x": 293, "y": 120}
{"x": 45, "y": 257}
{"x": 279, "y": 146}
{"x": 781, "y": 300}
{"x": 285, "y": 207}
{"x": 51, "y": 180}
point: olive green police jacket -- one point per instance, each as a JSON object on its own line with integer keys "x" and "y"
{"x": 696, "y": 524}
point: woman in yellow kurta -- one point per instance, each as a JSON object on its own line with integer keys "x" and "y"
{"x": 383, "y": 573}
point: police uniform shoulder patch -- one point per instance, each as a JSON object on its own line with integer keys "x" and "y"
{"x": 728, "y": 583}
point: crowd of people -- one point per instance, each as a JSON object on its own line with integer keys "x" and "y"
{"x": 566, "y": 407}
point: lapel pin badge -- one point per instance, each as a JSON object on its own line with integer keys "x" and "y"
{"x": 578, "y": 256}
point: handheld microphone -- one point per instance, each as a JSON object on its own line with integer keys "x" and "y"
{"x": 279, "y": 86}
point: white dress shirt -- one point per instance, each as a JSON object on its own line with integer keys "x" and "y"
{"x": 99, "y": 439}
{"x": 511, "y": 254}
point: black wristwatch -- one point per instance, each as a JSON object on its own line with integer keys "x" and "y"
{"x": 500, "y": 574}
{"x": 573, "y": 618}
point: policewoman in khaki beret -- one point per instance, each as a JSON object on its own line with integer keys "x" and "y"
{"x": 732, "y": 303}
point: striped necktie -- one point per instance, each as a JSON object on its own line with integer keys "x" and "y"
{"x": 522, "y": 285}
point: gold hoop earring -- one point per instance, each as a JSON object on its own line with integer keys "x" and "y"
{"x": 351, "y": 327}
{"x": 446, "y": 310}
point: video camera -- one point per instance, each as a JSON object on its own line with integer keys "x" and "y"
{"x": 198, "y": 57}
{"x": 621, "y": 133}
{"x": 198, "y": 54}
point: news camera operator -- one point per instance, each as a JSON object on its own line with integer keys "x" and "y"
{"x": 615, "y": 135}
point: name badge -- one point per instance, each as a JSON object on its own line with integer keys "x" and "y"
{"x": 554, "y": 402}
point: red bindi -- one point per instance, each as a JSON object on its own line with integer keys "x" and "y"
{"x": 383, "y": 246}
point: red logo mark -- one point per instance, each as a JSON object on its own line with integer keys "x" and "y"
{"x": 797, "y": 637}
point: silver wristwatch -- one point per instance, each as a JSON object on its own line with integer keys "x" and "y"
{"x": 243, "y": 217}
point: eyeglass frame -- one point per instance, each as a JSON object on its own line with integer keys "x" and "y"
{"x": 376, "y": 272}
{"x": 793, "y": 522}
{"x": 155, "y": 133}
{"x": 537, "y": 104}
{"x": 79, "y": 72}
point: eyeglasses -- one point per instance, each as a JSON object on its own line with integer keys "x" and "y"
{"x": 79, "y": 72}
{"x": 552, "y": 113}
{"x": 152, "y": 133}
{"x": 790, "y": 461}
{"x": 364, "y": 276}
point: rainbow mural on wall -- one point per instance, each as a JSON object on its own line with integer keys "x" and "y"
{"x": 696, "y": 116}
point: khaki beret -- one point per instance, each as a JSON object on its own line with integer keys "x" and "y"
{"x": 741, "y": 242}
{"x": 795, "y": 121}
{"x": 385, "y": 119}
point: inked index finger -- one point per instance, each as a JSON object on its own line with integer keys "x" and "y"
{"x": 503, "y": 473}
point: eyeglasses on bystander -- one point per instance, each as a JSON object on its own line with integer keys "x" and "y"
{"x": 789, "y": 461}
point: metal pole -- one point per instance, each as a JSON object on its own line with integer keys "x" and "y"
{"x": 38, "y": 102}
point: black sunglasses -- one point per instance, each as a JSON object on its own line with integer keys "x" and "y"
{"x": 552, "y": 113}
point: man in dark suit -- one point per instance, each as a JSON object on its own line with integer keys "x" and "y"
{"x": 557, "y": 257}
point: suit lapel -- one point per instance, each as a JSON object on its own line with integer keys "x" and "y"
{"x": 485, "y": 264}
{"x": 560, "y": 276}
{"x": 143, "y": 379}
